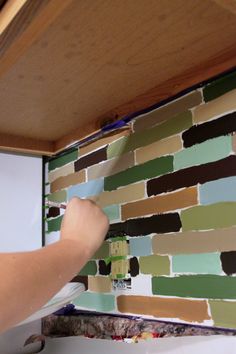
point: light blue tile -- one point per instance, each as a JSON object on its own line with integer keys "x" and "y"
{"x": 140, "y": 246}
{"x": 221, "y": 190}
{"x": 210, "y": 150}
{"x": 84, "y": 190}
{"x": 200, "y": 263}
{"x": 113, "y": 212}
{"x": 96, "y": 301}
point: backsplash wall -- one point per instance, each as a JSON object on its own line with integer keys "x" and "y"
{"x": 168, "y": 186}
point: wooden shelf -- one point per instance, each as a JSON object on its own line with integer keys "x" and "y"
{"x": 68, "y": 66}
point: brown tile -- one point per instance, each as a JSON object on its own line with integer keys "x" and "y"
{"x": 187, "y": 310}
{"x": 125, "y": 194}
{"x": 93, "y": 158}
{"x": 168, "y": 111}
{"x": 102, "y": 142}
{"x": 160, "y": 204}
{"x": 111, "y": 167}
{"x": 219, "y": 106}
{"x": 99, "y": 284}
{"x": 159, "y": 148}
{"x": 195, "y": 242}
{"x": 61, "y": 171}
{"x": 66, "y": 181}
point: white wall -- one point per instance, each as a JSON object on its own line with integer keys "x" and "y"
{"x": 179, "y": 345}
{"x": 20, "y": 221}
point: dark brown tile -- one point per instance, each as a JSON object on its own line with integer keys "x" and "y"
{"x": 91, "y": 159}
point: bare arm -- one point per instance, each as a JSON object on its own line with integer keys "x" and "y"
{"x": 30, "y": 279}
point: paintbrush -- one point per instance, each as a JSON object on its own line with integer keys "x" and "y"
{"x": 55, "y": 205}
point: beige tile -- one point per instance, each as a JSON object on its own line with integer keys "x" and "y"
{"x": 221, "y": 240}
{"x": 125, "y": 194}
{"x": 160, "y": 204}
{"x": 103, "y": 141}
{"x": 61, "y": 171}
{"x": 221, "y": 105}
{"x": 99, "y": 284}
{"x": 168, "y": 111}
{"x": 111, "y": 167}
{"x": 69, "y": 180}
{"x": 159, "y": 148}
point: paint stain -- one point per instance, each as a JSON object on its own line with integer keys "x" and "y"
{"x": 104, "y": 269}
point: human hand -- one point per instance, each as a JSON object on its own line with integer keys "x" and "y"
{"x": 85, "y": 223}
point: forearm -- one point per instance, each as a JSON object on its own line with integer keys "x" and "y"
{"x": 30, "y": 279}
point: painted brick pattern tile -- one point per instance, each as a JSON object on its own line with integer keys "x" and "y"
{"x": 216, "y": 108}
{"x": 209, "y": 151}
{"x": 160, "y": 204}
{"x": 192, "y": 176}
{"x": 221, "y": 190}
{"x": 147, "y": 170}
{"x": 91, "y": 159}
{"x": 181, "y": 122}
{"x": 209, "y": 130}
{"x": 219, "y": 87}
{"x": 63, "y": 160}
{"x": 169, "y": 190}
{"x": 203, "y": 263}
{"x": 196, "y": 286}
{"x": 168, "y": 111}
{"x": 208, "y": 217}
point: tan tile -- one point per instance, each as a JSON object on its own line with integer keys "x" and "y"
{"x": 61, "y": 171}
{"x": 221, "y": 240}
{"x": 103, "y": 141}
{"x": 69, "y": 180}
{"x": 111, "y": 167}
{"x": 168, "y": 111}
{"x": 184, "y": 309}
{"x": 125, "y": 194}
{"x": 221, "y": 105}
{"x": 99, "y": 284}
{"x": 159, "y": 148}
{"x": 160, "y": 204}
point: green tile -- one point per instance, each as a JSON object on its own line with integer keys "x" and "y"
{"x": 54, "y": 224}
{"x": 219, "y": 87}
{"x": 202, "y": 263}
{"x": 209, "y": 151}
{"x": 96, "y": 301}
{"x": 112, "y": 212}
{"x": 214, "y": 216}
{"x": 90, "y": 268}
{"x": 102, "y": 252}
{"x": 223, "y": 313}
{"x": 196, "y": 286}
{"x": 147, "y": 170}
{"x": 155, "y": 265}
{"x": 63, "y": 160}
{"x": 58, "y": 197}
{"x": 176, "y": 125}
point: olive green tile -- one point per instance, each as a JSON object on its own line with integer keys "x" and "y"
{"x": 57, "y": 197}
{"x": 54, "y": 224}
{"x": 176, "y": 125}
{"x": 102, "y": 252}
{"x": 206, "y": 217}
{"x": 155, "y": 265}
{"x": 223, "y": 313}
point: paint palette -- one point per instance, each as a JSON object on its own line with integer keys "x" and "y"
{"x": 62, "y": 298}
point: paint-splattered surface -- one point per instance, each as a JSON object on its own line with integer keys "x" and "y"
{"x": 168, "y": 188}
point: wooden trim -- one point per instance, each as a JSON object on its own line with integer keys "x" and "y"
{"x": 229, "y": 5}
{"x": 26, "y": 145}
{"x": 36, "y": 27}
{"x": 9, "y": 11}
{"x": 204, "y": 71}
